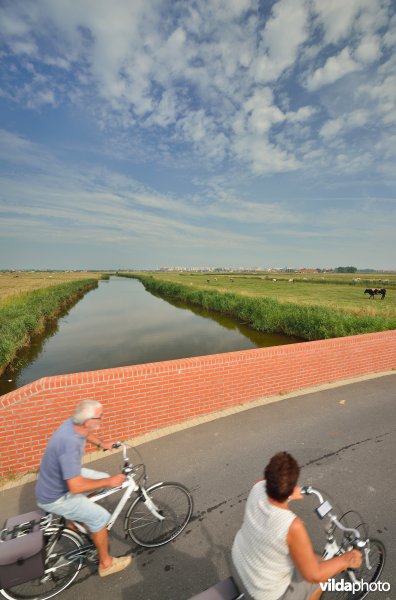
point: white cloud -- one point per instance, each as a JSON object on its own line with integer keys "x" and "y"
{"x": 41, "y": 98}
{"x": 11, "y": 24}
{"x": 337, "y": 17}
{"x": 282, "y": 37}
{"x": 348, "y": 121}
{"x": 23, "y": 47}
{"x": 382, "y": 92}
{"x": 369, "y": 50}
{"x": 357, "y": 118}
{"x": 261, "y": 112}
{"x": 201, "y": 130}
{"x": 301, "y": 115}
{"x": 389, "y": 38}
{"x": 334, "y": 68}
{"x": 373, "y": 16}
{"x": 263, "y": 156}
{"x": 331, "y": 128}
{"x": 54, "y": 61}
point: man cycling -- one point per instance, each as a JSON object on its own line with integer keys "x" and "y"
{"x": 63, "y": 484}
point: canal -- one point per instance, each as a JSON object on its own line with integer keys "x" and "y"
{"x": 120, "y": 324}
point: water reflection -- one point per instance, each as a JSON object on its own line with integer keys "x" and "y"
{"x": 120, "y": 324}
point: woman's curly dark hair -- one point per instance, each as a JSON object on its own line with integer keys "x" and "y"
{"x": 281, "y": 475}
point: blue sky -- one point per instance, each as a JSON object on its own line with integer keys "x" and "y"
{"x": 147, "y": 133}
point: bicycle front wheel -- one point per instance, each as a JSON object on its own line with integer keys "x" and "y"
{"x": 365, "y": 578}
{"x": 172, "y": 501}
{"x": 61, "y": 568}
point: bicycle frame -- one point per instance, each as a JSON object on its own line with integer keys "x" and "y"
{"x": 130, "y": 486}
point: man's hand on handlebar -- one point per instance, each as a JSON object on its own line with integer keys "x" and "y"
{"x": 106, "y": 446}
{"x": 117, "y": 480}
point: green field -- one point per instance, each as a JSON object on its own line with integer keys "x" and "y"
{"x": 311, "y": 308}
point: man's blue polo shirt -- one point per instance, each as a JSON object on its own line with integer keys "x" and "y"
{"x": 61, "y": 461}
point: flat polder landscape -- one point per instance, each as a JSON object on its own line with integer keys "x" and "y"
{"x": 307, "y": 306}
{"x": 340, "y": 291}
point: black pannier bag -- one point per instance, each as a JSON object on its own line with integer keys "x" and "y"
{"x": 21, "y": 550}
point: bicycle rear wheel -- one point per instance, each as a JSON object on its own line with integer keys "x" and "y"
{"x": 59, "y": 571}
{"x": 363, "y": 575}
{"x": 172, "y": 501}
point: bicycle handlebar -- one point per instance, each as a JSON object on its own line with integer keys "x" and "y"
{"x": 124, "y": 451}
{"x": 308, "y": 490}
{"x": 325, "y": 510}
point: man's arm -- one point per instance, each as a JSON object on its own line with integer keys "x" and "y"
{"x": 94, "y": 439}
{"x": 82, "y": 485}
{"x": 306, "y": 561}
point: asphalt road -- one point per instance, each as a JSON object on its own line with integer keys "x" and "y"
{"x": 344, "y": 438}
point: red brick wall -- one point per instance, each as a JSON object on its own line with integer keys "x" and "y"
{"x": 141, "y": 398}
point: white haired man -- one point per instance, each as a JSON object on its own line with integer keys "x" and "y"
{"x": 63, "y": 484}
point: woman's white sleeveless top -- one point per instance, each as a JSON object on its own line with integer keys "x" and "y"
{"x": 260, "y": 552}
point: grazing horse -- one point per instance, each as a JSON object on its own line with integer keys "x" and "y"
{"x": 372, "y": 292}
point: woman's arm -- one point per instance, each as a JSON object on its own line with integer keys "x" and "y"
{"x": 306, "y": 561}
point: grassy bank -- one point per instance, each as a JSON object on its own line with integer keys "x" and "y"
{"x": 308, "y": 321}
{"x": 24, "y": 314}
{"x": 15, "y": 283}
{"x": 344, "y": 298}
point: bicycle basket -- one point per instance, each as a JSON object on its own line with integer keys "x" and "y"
{"x": 21, "y": 550}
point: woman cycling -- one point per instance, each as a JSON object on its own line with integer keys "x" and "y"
{"x": 272, "y": 554}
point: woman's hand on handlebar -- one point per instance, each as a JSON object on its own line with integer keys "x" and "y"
{"x": 296, "y": 494}
{"x": 354, "y": 559}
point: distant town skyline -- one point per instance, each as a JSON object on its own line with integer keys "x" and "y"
{"x": 202, "y": 269}
{"x": 210, "y": 132}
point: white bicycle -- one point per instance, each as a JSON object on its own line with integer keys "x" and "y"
{"x": 351, "y": 537}
{"x": 156, "y": 516}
